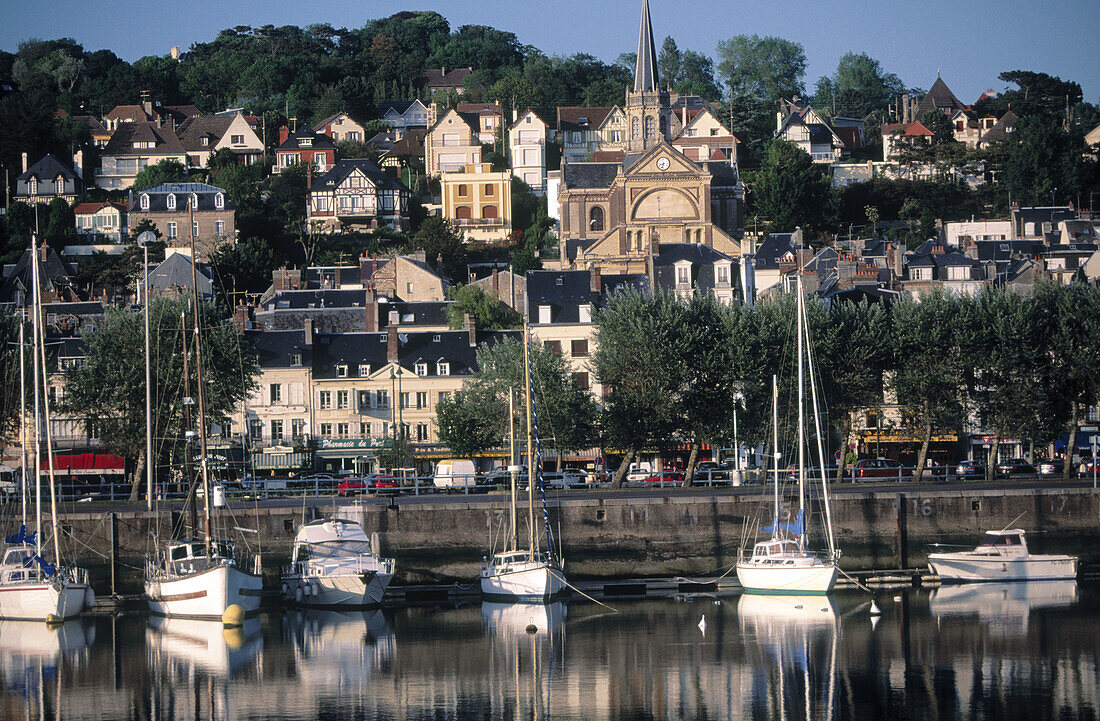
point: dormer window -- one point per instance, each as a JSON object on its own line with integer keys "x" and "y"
{"x": 364, "y": 370}
{"x": 584, "y": 313}
{"x": 421, "y": 369}
{"x": 306, "y": 142}
{"x": 341, "y": 371}
{"x": 171, "y": 201}
{"x": 436, "y": 338}
{"x": 195, "y": 201}
{"x": 144, "y": 201}
{"x": 443, "y": 368}
{"x": 723, "y": 273}
{"x": 295, "y": 359}
{"x": 384, "y": 337}
{"x": 683, "y": 275}
{"x": 205, "y": 141}
{"x": 32, "y": 186}
{"x": 59, "y": 186}
{"x": 219, "y": 201}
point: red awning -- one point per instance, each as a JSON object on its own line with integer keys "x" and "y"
{"x": 87, "y": 464}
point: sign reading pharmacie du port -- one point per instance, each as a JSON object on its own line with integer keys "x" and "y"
{"x": 350, "y": 444}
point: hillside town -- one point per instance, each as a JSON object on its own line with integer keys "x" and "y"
{"x": 368, "y": 243}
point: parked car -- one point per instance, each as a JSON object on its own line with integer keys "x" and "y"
{"x": 1050, "y": 468}
{"x": 710, "y": 471}
{"x": 562, "y": 479}
{"x": 1088, "y": 467}
{"x": 970, "y": 469}
{"x": 878, "y": 468}
{"x": 665, "y": 478}
{"x": 1015, "y": 467}
{"x": 639, "y": 470}
{"x": 372, "y": 482}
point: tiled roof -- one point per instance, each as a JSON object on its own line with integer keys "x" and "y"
{"x": 90, "y": 208}
{"x": 343, "y": 168}
{"x": 939, "y": 96}
{"x": 193, "y": 130}
{"x": 122, "y": 141}
{"x": 318, "y": 141}
{"x": 581, "y": 118}
{"x": 564, "y": 291}
{"x": 443, "y": 78}
{"x": 48, "y": 168}
{"x": 158, "y": 198}
{"x": 589, "y": 175}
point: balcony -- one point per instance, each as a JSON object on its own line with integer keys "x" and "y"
{"x": 479, "y": 222}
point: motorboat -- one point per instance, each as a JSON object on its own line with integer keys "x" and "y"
{"x": 1001, "y": 556}
{"x": 191, "y": 580}
{"x": 335, "y": 565}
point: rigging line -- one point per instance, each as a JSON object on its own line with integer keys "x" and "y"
{"x": 574, "y": 588}
{"x": 538, "y": 466}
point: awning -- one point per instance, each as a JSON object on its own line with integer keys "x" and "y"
{"x": 87, "y": 464}
{"x": 872, "y": 436}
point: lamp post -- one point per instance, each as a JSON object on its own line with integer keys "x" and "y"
{"x": 143, "y": 240}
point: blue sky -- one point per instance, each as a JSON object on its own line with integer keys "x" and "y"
{"x": 970, "y": 43}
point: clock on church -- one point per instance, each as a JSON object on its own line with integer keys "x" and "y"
{"x": 662, "y": 163}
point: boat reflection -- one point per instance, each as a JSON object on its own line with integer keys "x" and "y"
{"x": 507, "y": 620}
{"x": 337, "y": 648}
{"x": 798, "y": 637}
{"x": 188, "y": 645}
{"x": 31, "y": 651}
{"x": 1007, "y": 604}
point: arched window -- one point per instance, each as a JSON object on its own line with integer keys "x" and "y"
{"x": 634, "y": 132}
{"x": 171, "y": 201}
{"x": 219, "y": 201}
{"x": 59, "y": 185}
{"x": 145, "y": 201}
{"x": 462, "y": 212}
{"x": 595, "y": 219}
{"x": 664, "y": 125}
{"x": 649, "y": 127}
{"x": 489, "y": 211}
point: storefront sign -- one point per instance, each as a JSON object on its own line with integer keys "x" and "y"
{"x": 351, "y": 444}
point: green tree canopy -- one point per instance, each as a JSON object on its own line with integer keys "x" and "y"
{"x": 444, "y": 250}
{"x": 488, "y": 312}
{"x": 858, "y": 87}
{"x": 168, "y": 170}
{"x": 791, "y": 191}
{"x": 768, "y": 68}
{"x": 1043, "y": 164}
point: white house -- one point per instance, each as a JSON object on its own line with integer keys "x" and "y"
{"x": 527, "y": 140}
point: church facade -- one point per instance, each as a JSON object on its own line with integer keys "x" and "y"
{"x": 617, "y": 214}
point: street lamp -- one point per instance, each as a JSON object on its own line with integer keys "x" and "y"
{"x": 144, "y": 239}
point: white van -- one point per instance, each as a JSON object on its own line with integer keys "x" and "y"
{"x": 639, "y": 471}
{"x": 455, "y": 473}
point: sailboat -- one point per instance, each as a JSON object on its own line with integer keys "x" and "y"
{"x": 783, "y": 563}
{"x": 30, "y": 586}
{"x": 201, "y": 577}
{"x": 518, "y": 574}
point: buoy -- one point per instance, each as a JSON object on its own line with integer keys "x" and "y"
{"x": 89, "y": 598}
{"x": 233, "y": 637}
{"x": 532, "y": 629}
{"x": 53, "y": 619}
{"x": 875, "y": 610}
{"x": 703, "y": 625}
{"x": 233, "y": 616}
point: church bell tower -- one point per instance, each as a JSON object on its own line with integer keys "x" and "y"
{"x": 647, "y": 106}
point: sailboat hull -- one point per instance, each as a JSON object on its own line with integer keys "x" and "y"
{"x": 344, "y": 590}
{"x": 205, "y": 594}
{"x": 42, "y": 601}
{"x": 528, "y": 582}
{"x": 810, "y": 578}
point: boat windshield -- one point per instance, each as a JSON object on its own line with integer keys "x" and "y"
{"x": 17, "y": 555}
{"x": 332, "y": 549}
{"x": 1000, "y": 539}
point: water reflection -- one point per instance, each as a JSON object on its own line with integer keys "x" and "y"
{"x": 975, "y": 652}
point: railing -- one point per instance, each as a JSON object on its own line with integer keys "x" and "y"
{"x": 482, "y": 222}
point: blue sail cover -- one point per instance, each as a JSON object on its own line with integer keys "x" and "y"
{"x": 22, "y": 536}
{"x": 798, "y": 528}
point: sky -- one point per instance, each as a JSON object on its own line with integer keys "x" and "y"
{"x": 967, "y": 42}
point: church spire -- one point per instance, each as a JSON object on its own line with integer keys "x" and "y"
{"x": 645, "y": 69}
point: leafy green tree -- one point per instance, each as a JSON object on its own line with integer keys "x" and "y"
{"x": 9, "y": 373}
{"x": 59, "y": 229}
{"x": 791, "y": 191}
{"x": 931, "y": 339}
{"x": 639, "y": 358}
{"x": 669, "y": 61}
{"x": 858, "y": 87}
{"x": 476, "y": 418}
{"x": 444, "y": 250}
{"x": 107, "y": 389}
{"x": 168, "y": 170}
{"x": 488, "y": 312}
{"x": 768, "y": 68}
{"x": 1043, "y": 163}
{"x": 1035, "y": 94}
{"x": 243, "y": 267}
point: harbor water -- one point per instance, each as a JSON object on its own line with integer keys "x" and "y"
{"x": 984, "y": 651}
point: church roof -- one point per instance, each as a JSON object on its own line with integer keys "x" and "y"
{"x": 589, "y": 175}
{"x": 645, "y": 71}
{"x": 939, "y": 96}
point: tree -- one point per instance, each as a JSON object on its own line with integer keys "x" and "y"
{"x": 9, "y": 372}
{"x": 639, "y": 359}
{"x": 931, "y": 339}
{"x": 768, "y": 68}
{"x": 1035, "y": 94}
{"x": 487, "y": 312}
{"x": 1042, "y": 162}
{"x": 109, "y": 386}
{"x": 476, "y": 418}
{"x": 669, "y": 61}
{"x": 168, "y": 170}
{"x": 243, "y": 267}
{"x": 858, "y": 87}
{"x": 444, "y": 250}
{"x": 791, "y": 191}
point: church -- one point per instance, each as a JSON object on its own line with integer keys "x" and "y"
{"x": 618, "y": 210}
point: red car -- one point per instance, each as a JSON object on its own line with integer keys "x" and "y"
{"x": 370, "y": 482}
{"x": 667, "y": 478}
{"x": 879, "y": 468}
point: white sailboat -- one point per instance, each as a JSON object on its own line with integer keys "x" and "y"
{"x": 524, "y": 574}
{"x": 201, "y": 577}
{"x": 783, "y": 563}
{"x": 334, "y": 564}
{"x": 30, "y": 586}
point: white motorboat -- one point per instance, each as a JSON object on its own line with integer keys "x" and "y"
{"x": 190, "y": 582}
{"x": 334, "y": 564}
{"x": 517, "y": 574}
{"x": 783, "y": 563}
{"x": 32, "y": 587}
{"x": 1001, "y": 556}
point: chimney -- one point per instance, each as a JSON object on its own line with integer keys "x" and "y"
{"x": 796, "y": 237}
{"x": 147, "y": 106}
{"x": 845, "y": 273}
{"x": 307, "y": 333}
{"x": 24, "y": 162}
{"x": 175, "y": 52}
{"x": 897, "y": 261}
{"x": 240, "y": 317}
{"x": 391, "y": 343}
{"x": 595, "y": 281}
{"x": 470, "y": 328}
{"x": 284, "y": 133}
{"x": 78, "y": 164}
{"x": 370, "y": 312}
{"x": 394, "y": 318}
{"x": 803, "y": 256}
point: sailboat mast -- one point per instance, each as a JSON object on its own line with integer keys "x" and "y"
{"x": 35, "y": 329}
{"x": 202, "y": 403}
{"x": 820, "y": 446}
{"x": 512, "y": 463}
{"x": 530, "y": 444}
{"x": 187, "y": 423}
{"x": 801, "y": 418}
{"x": 775, "y": 452}
{"x": 46, "y": 410}
{"x": 23, "y": 420}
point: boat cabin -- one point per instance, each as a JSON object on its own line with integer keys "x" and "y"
{"x": 190, "y": 556}
{"x": 775, "y": 548}
{"x": 1009, "y": 542}
{"x": 508, "y": 559}
{"x": 19, "y": 566}
{"x": 330, "y": 538}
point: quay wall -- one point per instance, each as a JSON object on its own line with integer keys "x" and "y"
{"x": 675, "y": 536}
